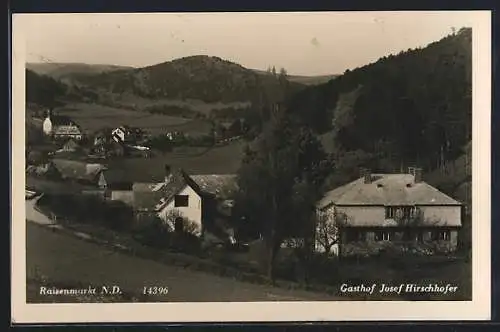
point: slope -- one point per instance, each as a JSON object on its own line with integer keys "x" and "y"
{"x": 409, "y": 108}
{"x": 70, "y": 70}
{"x": 302, "y": 79}
{"x": 206, "y": 78}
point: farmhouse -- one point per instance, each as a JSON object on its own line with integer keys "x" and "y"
{"x": 62, "y": 176}
{"x": 203, "y": 202}
{"x": 379, "y": 210}
{"x": 127, "y": 134}
{"x": 116, "y": 185}
{"x": 121, "y": 134}
{"x": 60, "y": 127}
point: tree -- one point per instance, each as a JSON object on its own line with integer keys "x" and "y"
{"x": 273, "y": 71}
{"x": 327, "y": 231}
{"x": 328, "y": 227}
{"x": 283, "y": 73}
{"x": 276, "y": 183}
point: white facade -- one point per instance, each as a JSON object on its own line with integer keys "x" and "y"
{"x": 118, "y": 135}
{"x": 47, "y": 126}
{"x": 191, "y": 212}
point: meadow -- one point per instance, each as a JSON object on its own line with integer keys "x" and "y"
{"x": 224, "y": 159}
{"x": 92, "y": 117}
{"x": 139, "y": 103}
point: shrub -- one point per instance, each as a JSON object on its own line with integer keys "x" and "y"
{"x": 152, "y": 231}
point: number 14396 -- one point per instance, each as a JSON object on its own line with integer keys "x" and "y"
{"x": 155, "y": 290}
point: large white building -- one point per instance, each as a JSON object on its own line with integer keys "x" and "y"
{"x": 58, "y": 126}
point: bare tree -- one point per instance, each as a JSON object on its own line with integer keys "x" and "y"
{"x": 328, "y": 229}
{"x": 187, "y": 226}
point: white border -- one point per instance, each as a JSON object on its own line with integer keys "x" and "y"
{"x": 477, "y": 309}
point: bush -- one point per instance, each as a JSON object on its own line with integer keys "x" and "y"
{"x": 185, "y": 243}
{"x": 118, "y": 215}
{"x": 152, "y": 232}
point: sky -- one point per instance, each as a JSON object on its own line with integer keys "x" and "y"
{"x": 309, "y": 43}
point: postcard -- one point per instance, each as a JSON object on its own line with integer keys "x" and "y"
{"x": 239, "y": 167}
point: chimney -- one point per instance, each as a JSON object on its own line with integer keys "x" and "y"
{"x": 418, "y": 175}
{"x": 168, "y": 173}
{"x": 366, "y": 175}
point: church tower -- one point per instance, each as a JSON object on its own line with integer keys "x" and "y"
{"x": 47, "y": 124}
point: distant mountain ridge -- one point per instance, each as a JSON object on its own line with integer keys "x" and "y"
{"x": 69, "y": 70}
{"x": 304, "y": 79}
{"x": 201, "y": 77}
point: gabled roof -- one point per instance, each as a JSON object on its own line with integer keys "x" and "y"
{"x": 71, "y": 145}
{"x": 116, "y": 179}
{"x": 61, "y": 120}
{"x": 48, "y": 171}
{"x": 221, "y": 185}
{"x": 73, "y": 169}
{"x": 154, "y": 196}
{"x": 386, "y": 189}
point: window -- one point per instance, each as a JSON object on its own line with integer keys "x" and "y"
{"x": 181, "y": 200}
{"x": 443, "y": 236}
{"x": 354, "y": 235}
{"x": 419, "y": 237}
{"x": 383, "y": 236}
{"x": 390, "y": 212}
{"x": 407, "y": 235}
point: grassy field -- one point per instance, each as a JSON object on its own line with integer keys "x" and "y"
{"x": 92, "y": 117}
{"x": 220, "y": 160}
{"x": 200, "y": 106}
{"x": 55, "y": 259}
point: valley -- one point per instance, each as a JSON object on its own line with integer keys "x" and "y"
{"x": 397, "y": 132}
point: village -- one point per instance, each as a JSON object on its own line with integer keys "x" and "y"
{"x": 70, "y": 181}
{"x": 231, "y": 183}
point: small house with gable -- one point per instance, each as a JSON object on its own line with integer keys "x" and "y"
{"x": 204, "y": 201}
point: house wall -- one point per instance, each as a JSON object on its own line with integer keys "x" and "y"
{"x": 442, "y": 215}
{"x": 427, "y": 245}
{"x": 192, "y": 212}
{"x": 126, "y": 196}
{"x": 362, "y": 215}
{"x": 365, "y": 218}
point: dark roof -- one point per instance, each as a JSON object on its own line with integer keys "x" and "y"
{"x": 53, "y": 187}
{"x": 220, "y": 185}
{"x": 386, "y": 189}
{"x": 73, "y": 169}
{"x": 48, "y": 171}
{"x": 116, "y": 179}
{"x": 61, "y": 120}
{"x": 71, "y": 145}
{"x": 154, "y": 196}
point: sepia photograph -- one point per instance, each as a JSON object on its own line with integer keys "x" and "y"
{"x": 326, "y": 159}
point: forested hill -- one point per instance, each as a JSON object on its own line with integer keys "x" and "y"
{"x": 200, "y": 77}
{"x": 43, "y": 90}
{"x": 410, "y": 108}
{"x": 46, "y": 91}
{"x": 61, "y": 71}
